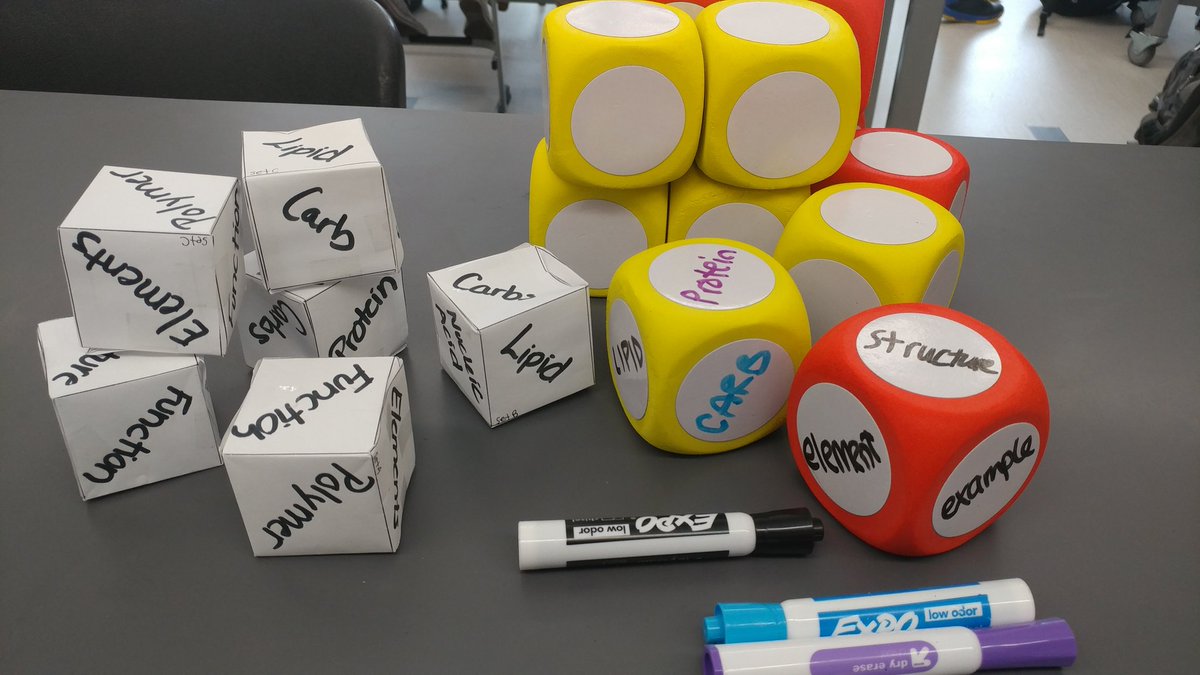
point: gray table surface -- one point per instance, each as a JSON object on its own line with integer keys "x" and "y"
{"x": 1086, "y": 257}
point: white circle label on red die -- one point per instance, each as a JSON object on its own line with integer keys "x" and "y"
{"x": 901, "y": 154}
{"x": 878, "y": 216}
{"x": 832, "y": 293}
{"x": 627, "y": 120}
{"x": 620, "y": 19}
{"x": 711, "y": 276}
{"x": 941, "y": 287}
{"x": 929, "y": 355}
{"x": 593, "y": 237}
{"x": 747, "y": 223}
{"x": 733, "y": 391}
{"x": 627, "y": 358}
{"x": 843, "y": 450}
{"x": 772, "y": 23}
{"x": 986, "y": 479}
{"x": 770, "y": 144}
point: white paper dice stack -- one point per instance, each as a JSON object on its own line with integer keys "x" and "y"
{"x": 324, "y": 278}
{"x": 513, "y": 331}
{"x": 320, "y": 455}
{"x": 152, "y": 265}
{"x": 127, "y": 418}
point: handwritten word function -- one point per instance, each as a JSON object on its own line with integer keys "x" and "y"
{"x": 133, "y": 445}
{"x": 282, "y": 417}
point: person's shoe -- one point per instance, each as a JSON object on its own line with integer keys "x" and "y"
{"x": 479, "y": 20}
{"x": 972, "y": 11}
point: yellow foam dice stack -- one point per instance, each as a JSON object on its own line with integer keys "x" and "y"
{"x": 591, "y": 229}
{"x": 625, "y": 84}
{"x": 704, "y": 338}
{"x": 855, "y": 246}
{"x": 703, "y": 207}
{"x": 782, "y": 92}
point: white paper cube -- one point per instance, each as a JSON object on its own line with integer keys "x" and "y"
{"x": 152, "y": 261}
{"x": 513, "y": 330}
{"x": 319, "y": 205}
{"x": 127, "y": 418}
{"x": 320, "y": 455}
{"x": 364, "y": 316}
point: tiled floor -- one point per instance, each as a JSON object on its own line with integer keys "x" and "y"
{"x": 997, "y": 81}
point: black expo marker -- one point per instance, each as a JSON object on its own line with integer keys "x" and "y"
{"x": 544, "y": 544}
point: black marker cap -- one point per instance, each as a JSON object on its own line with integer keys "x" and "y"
{"x": 790, "y": 532}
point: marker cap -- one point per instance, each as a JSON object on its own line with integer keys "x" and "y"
{"x": 1048, "y": 643}
{"x": 788, "y": 532}
{"x": 745, "y": 622}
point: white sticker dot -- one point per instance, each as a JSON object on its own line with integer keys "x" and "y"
{"x": 878, "y": 216}
{"x": 627, "y": 120}
{"x": 619, "y": 19}
{"x": 733, "y": 391}
{"x": 746, "y": 223}
{"x": 627, "y": 359}
{"x": 711, "y": 276}
{"x": 901, "y": 154}
{"x": 832, "y": 292}
{"x": 941, "y": 286}
{"x": 593, "y": 237}
{"x": 772, "y": 23}
{"x": 986, "y": 479}
{"x": 842, "y": 449}
{"x": 960, "y": 200}
{"x": 770, "y": 144}
{"x": 929, "y": 355}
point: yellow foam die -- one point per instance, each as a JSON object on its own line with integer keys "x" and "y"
{"x": 704, "y": 338}
{"x": 703, "y": 207}
{"x": 625, "y": 88}
{"x": 855, "y": 246}
{"x": 592, "y": 230}
{"x": 782, "y": 92}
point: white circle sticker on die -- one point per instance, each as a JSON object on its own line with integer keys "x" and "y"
{"x": 733, "y": 391}
{"x": 901, "y": 154}
{"x": 593, "y": 237}
{"x": 769, "y": 144}
{"x": 711, "y": 276}
{"x": 741, "y": 222}
{"x": 620, "y": 19}
{"x": 986, "y": 479}
{"x": 929, "y": 355}
{"x": 843, "y": 448}
{"x": 941, "y": 287}
{"x": 878, "y": 216}
{"x": 832, "y": 293}
{"x": 960, "y": 200}
{"x": 772, "y": 23}
{"x": 627, "y": 359}
{"x": 627, "y": 120}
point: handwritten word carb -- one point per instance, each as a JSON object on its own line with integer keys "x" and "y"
{"x": 268, "y": 423}
{"x": 544, "y": 365}
{"x": 312, "y": 217}
{"x": 84, "y": 367}
{"x": 136, "y": 435}
{"x": 153, "y": 296}
{"x": 710, "y": 273}
{"x": 188, "y": 213}
{"x": 934, "y": 356}
{"x": 841, "y": 456}
{"x": 453, "y": 334}
{"x": 974, "y": 488}
{"x": 362, "y": 318}
{"x": 324, "y": 489}
{"x": 295, "y": 146}
{"x": 733, "y": 392}
{"x": 272, "y": 323}
{"x": 511, "y": 293}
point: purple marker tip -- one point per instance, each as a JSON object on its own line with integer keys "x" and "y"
{"x": 1048, "y": 643}
{"x": 712, "y": 662}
